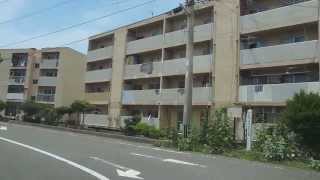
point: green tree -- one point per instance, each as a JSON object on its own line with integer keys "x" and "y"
{"x": 1, "y": 59}
{"x": 31, "y": 109}
{"x": 3, "y": 105}
{"x": 80, "y": 107}
{"x": 302, "y": 116}
{"x": 61, "y": 111}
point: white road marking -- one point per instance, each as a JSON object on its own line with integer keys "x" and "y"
{"x": 121, "y": 170}
{"x": 169, "y": 160}
{"x": 76, "y": 165}
{"x": 3, "y": 128}
{"x": 152, "y": 148}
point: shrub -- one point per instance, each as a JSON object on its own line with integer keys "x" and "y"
{"x": 220, "y": 137}
{"x": 142, "y": 129}
{"x": 276, "y": 144}
{"x": 315, "y": 164}
{"x": 147, "y": 130}
{"x": 302, "y": 116}
{"x": 130, "y": 123}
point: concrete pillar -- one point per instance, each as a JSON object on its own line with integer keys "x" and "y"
{"x": 226, "y": 52}
{"x": 118, "y": 62}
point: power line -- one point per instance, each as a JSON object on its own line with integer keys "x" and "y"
{"x": 36, "y": 12}
{"x": 76, "y": 25}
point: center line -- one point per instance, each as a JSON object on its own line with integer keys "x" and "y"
{"x": 76, "y": 165}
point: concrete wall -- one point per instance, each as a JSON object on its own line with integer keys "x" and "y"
{"x": 119, "y": 56}
{"x": 71, "y": 72}
{"x": 226, "y": 51}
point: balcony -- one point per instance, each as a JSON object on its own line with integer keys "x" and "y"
{"x": 15, "y": 97}
{"x": 16, "y": 80}
{"x": 200, "y": 96}
{"x": 274, "y": 93}
{"x": 280, "y": 17}
{"x": 102, "y": 75}
{"x": 47, "y": 98}
{"x": 201, "y": 64}
{"x": 145, "y": 44}
{"x": 97, "y": 97}
{"x": 47, "y": 81}
{"x": 201, "y": 33}
{"x": 99, "y": 54}
{"x": 279, "y": 53}
{"x": 141, "y": 97}
{"x": 136, "y": 71}
{"x": 49, "y": 63}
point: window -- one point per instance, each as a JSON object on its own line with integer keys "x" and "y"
{"x": 298, "y": 38}
{"x": 35, "y": 81}
{"x": 36, "y": 65}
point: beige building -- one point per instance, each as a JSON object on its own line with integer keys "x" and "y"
{"x": 247, "y": 54}
{"x": 139, "y": 69}
{"x": 51, "y": 76}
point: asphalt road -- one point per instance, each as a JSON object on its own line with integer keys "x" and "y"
{"x": 32, "y": 153}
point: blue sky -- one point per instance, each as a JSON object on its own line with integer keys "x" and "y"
{"x": 73, "y": 12}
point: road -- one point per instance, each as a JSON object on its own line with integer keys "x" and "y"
{"x": 32, "y": 153}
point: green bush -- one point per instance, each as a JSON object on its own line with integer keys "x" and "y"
{"x": 220, "y": 134}
{"x": 302, "y": 116}
{"x": 315, "y": 164}
{"x": 276, "y": 145}
{"x": 147, "y": 131}
{"x": 130, "y": 123}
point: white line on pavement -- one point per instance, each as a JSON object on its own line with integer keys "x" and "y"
{"x": 156, "y": 149}
{"x": 3, "y": 128}
{"x": 76, "y": 165}
{"x": 169, "y": 160}
{"x": 121, "y": 170}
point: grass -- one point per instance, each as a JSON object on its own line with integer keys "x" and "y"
{"x": 256, "y": 156}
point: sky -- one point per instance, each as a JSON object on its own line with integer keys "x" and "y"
{"x": 67, "y": 13}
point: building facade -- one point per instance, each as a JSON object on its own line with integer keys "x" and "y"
{"x": 139, "y": 69}
{"x": 50, "y": 76}
{"x": 247, "y": 54}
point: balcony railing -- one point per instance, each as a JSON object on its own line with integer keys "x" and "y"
{"x": 49, "y": 63}
{"x": 201, "y": 64}
{"x": 100, "y": 54}
{"x": 45, "y": 97}
{"x": 200, "y": 96}
{"x": 16, "y": 80}
{"x": 102, "y": 75}
{"x": 274, "y": 93}
{"x": 97, "y": 97}
{"x": 279, "y": 53}
{"x": 280, "y": 17}
{"x": 47, "y": 81}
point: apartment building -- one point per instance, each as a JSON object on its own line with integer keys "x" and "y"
{"x": 279, "y": 54}
{"x": 50, "y": 76}
{"x": 139, "y": 69}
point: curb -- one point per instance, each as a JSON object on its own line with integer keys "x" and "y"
{"x": 81, "y": 131}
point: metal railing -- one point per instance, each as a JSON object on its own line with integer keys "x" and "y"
{"x": 45, "y": 97}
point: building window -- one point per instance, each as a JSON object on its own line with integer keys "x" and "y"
{"x": 36, "y": 65}
{"x": 35, "y": 81}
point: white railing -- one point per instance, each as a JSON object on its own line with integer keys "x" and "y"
{"x": 275, "y": 92}
{"x": 45, "y": 97}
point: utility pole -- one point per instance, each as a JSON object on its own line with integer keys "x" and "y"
{"x": 187, "y": 109}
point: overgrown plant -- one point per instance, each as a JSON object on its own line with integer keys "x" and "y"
{"x": 302, "y": 116}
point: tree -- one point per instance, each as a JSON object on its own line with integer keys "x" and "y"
{"x": 80, "y": 107}
{"x": 3, "y": 105}
{"x": 61, "y": 111}
{"x": 302, "y": 116}
{"x": 31, "y": 109}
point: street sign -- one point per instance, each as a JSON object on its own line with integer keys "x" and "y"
{"x": 248, "y": 126}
